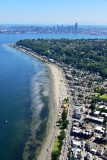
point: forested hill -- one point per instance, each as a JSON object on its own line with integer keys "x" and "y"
{"x": 88, "y": 54}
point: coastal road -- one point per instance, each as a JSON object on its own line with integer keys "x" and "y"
{"x": 67, "y": 141}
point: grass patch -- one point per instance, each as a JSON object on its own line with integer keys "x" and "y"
{"x": 104, "y": 96}
{"x": 57, "y": 144}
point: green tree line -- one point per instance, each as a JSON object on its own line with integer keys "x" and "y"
{"x": 90, "y": 54}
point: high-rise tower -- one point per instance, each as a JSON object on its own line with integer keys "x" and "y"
{"x": 76, "y": 26}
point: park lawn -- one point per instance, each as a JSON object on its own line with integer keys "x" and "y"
{"x": 57, "y": 144}
{"x": 104, "y": 96}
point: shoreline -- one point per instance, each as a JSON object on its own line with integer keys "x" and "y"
{"x": 59, "y": 92}
{"x": 57, "y": 86}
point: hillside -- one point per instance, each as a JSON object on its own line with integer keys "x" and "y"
{"x": 88, "y": 54}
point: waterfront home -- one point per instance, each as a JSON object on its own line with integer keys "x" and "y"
{"x": 77, "y": 153}
{"x": 76, "y": 143}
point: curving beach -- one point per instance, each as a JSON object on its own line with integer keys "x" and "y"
{"x": 59, "y": 92}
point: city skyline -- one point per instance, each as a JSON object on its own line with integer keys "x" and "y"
{"x": 53, "y": 12}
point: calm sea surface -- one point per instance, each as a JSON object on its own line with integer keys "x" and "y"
{"x": 24, "y": 83}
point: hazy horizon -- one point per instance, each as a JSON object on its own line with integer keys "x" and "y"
{"x": 40, "y": 12}
{"x": 43, "y": 25}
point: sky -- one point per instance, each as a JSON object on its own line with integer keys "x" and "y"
{"x": 93, "y": 12}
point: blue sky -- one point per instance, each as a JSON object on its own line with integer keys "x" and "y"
{"x": 53, "y": 12}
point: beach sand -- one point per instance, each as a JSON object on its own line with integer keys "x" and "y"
{"x": 59, "y": 92}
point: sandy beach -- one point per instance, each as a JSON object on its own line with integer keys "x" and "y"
{"x": 59, "y": 92}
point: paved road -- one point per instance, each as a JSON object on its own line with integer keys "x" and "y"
{"x": 67, "y": 140}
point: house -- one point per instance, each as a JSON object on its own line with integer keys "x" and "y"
{"x": 99, "y": 129}
{"x": 51, "y": 60}
{"x": 100, "y": 107}
{"x": 100, "y": 151}
{"x": 93, "y": 150}
{"x": 95, "y": 119}
{"x": 104, "y": 114}
{"x": 77, "y": 113}
{"x": 88, "y": 146}
{"x": 77, "y": 153}
{"x": 96, "y": 113}
{"x": 89, "y": 156}
{"x": 76, "y": 143}
{"x": 100, "y": 139}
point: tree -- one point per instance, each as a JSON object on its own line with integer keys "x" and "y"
{"x": 102, "y": 91}
{"x": 64, "y": 115}
{"x": 55, "y": 155}
{"x": 92, "y": 106}
{"x": 62, "y": 135}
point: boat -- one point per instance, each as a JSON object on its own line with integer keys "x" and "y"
{"x": 6, "y": 120}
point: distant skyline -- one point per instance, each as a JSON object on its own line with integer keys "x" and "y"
{"x": 93, "y": 12}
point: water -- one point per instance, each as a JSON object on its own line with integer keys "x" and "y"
{"x": 24, "y": 87}
{"x": 23, "y": 84}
